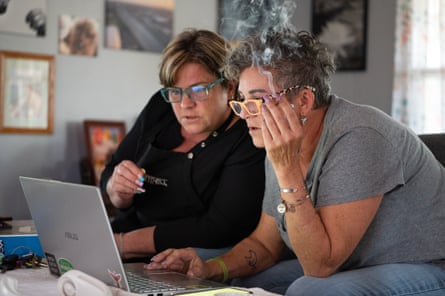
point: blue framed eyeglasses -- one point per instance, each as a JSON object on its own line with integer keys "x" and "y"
{"x": 195, "y": 92}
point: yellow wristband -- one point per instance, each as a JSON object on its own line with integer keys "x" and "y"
{"x": 223, "y": 267}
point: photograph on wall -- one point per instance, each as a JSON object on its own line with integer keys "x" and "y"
{"x": 26, "y": 17}
{"x": 78, "y": 35}
{"x": 144, "y": 25}
{"x": 102, "y": 139}
{"x": 26, "y": 92}
{"x": 341, "y": 25}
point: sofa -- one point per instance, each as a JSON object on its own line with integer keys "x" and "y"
{"x": 436, "y": 143}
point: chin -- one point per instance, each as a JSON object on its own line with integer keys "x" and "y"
{"x": 258, "y": 142}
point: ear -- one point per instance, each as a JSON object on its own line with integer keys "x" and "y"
{"x": 306, "y": 99}
{"x": 232, "y": 88}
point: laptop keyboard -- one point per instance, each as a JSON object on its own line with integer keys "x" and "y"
{"x": 140, "y": 284}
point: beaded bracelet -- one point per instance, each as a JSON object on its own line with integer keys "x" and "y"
{"x": 285, "y": 206}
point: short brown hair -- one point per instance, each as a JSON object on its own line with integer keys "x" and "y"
{"x": 193, "y": 46}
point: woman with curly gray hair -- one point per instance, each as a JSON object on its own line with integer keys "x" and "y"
{"x": 355, "y": 196}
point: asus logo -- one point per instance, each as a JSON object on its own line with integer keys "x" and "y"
{"x": 70, "y": 235}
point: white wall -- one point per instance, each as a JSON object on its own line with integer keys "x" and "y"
{"x": 116, "y": 85}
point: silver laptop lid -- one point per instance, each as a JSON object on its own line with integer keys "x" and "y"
{"x": 73, "y": 229}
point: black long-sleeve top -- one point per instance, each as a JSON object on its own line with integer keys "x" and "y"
{"x": 209, "y": 197}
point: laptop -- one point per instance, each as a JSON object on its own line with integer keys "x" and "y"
{"x": 75, "y": 233}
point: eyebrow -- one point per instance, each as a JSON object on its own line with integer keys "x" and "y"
{"x": 259, "y": 90}
{"x": 193, "y": 85}
{"x": 254, "y": 91}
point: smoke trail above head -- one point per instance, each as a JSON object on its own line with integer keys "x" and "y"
{"x": 243, "y": 18}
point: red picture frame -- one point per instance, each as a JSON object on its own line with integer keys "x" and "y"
{"x": 102, "y": 139}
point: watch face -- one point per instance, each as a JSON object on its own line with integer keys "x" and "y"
{"x": 281, "y": 208}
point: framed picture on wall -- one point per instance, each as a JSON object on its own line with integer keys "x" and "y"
{"x": 102, "y": 139}
{"x": 145, "y": 25}
{"x": 78, "y": 35}
{"x": 342, "y": 25}
{"x": 26, "y": 93}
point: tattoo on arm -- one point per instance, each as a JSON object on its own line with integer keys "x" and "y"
{"x": 251, "y": 259}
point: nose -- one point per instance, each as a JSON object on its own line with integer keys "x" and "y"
{"x": 186, "y": 102}
{"x": 244, "y": 114}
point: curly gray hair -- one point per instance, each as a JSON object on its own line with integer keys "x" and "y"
{"x": 291, "y": 57}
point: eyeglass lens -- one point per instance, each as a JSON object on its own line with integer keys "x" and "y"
{"x": 195, "y": 93}
{"x": 198, "y": 92}
{"x": 253, "y": 107}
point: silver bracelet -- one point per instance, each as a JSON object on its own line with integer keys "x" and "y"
{"x": 288, "y": 190}
{"x": 285, "y": 206}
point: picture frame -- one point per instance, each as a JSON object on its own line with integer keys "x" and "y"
{"x": 342, "y": 26}
{"x": 102, "y": 139}
{"x": 78, "y": 35}
{"x": 26, "y": 93}
{"x": 138, "y": 25}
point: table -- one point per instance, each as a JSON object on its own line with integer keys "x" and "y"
{"x": 38, "y": 281}
{"x": 31, "y": 282}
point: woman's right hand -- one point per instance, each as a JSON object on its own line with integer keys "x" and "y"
{"x": 126, "y": 180}
{"x": 181, "y": 260}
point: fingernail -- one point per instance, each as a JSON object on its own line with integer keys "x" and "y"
{"x": 141, "y": 178}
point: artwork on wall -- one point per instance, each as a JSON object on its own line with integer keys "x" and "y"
{"x": 341, "y": 25}
{"x": 145, "y": 25}
{"x": 26, "y": 93}
{"x": 23, "y": 17}
{"x": 102, "y": 138}
{"x": 78, "y": 35}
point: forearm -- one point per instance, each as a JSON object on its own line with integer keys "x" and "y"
{"x": 136, "y": 243}
{"x": 309, "y": 239}
{"x": 248, "y": 257}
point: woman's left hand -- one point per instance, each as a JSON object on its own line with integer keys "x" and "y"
{"x": 181, "y": 260}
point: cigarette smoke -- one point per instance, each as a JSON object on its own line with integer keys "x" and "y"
{"x": 245, "y": 18}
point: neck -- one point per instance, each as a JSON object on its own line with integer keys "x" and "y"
{"x": 191, "y": 140}
{"x": 312, "y": 133}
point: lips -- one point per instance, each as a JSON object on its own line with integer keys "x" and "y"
{"x": 253, "y": 128}
{"x": 190, "y": 117}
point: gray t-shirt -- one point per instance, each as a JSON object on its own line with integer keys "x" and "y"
{"x": 363, "y": 152}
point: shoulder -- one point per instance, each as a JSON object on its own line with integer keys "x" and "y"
{"x": 237, "y": 142}
{"x": 238, "y": 134}
{"x": 156, "y": 111}
{"x": 347, "y": 118}
{"x": 156, "y": 106}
